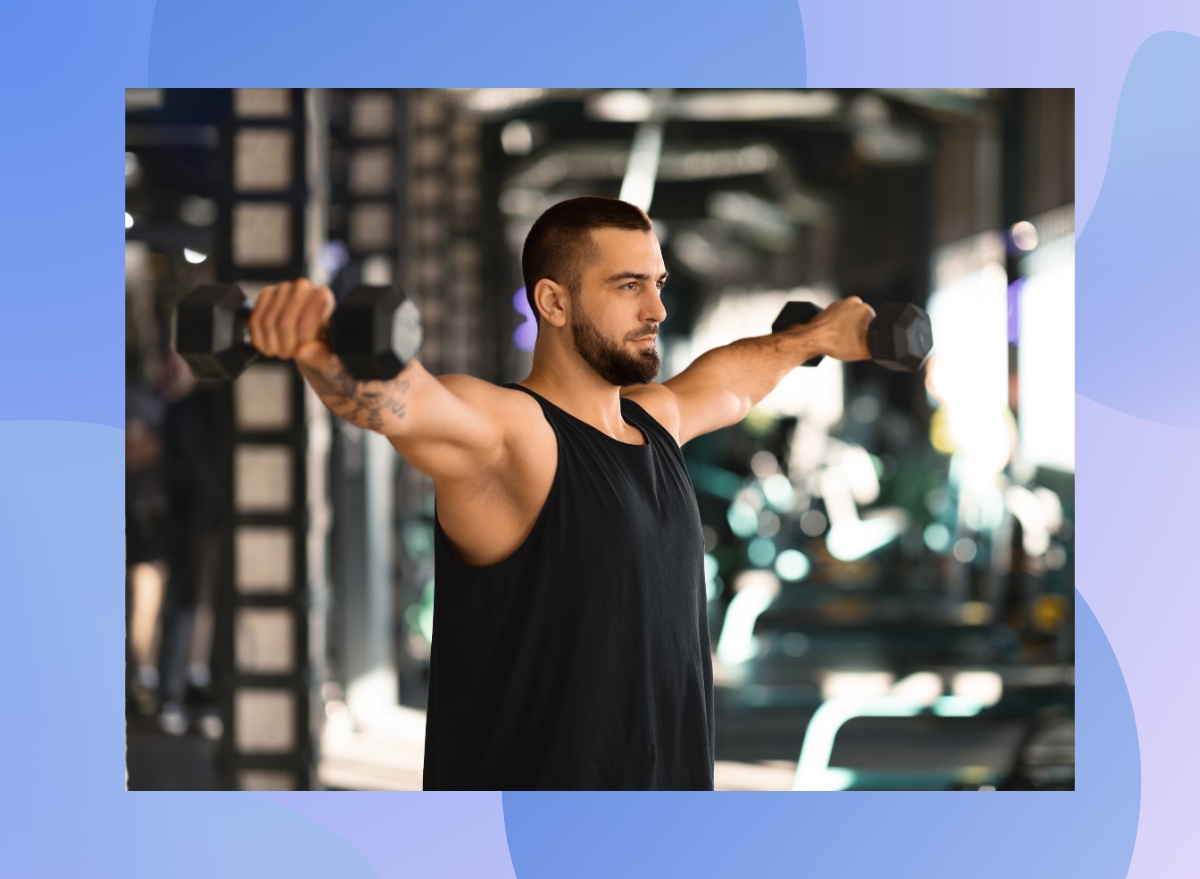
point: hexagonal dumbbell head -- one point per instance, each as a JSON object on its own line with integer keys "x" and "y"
{"x": 376, "y": 331}
{"x": 900, "y": 337}
{"x": 797, "y": 313}
{"x": 210, "y": 331}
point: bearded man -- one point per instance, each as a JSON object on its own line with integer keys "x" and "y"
{"x": 570, "y": 645}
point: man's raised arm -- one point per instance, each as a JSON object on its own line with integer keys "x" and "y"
{"x": 721, "y": 385}
{"x": 445, "y": 428}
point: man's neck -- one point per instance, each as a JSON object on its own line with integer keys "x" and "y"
{"x": 569, "y": 383}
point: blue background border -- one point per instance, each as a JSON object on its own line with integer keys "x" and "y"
{"x": 66, "y": 65}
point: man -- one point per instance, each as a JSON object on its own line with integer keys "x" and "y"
{"x": 570, "y": 646}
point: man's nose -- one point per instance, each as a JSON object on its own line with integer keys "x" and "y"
{"x": 654, "y": 310}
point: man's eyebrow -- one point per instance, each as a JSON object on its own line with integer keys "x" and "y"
{"x": 633, "y": 276}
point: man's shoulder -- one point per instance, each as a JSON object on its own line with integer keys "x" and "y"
{"x": 660, "y": 403}
{"x": 488, "y": 395}
{"x": 649, "y": 396}
{"x": 514, "y": 416}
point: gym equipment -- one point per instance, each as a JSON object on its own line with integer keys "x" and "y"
{"x": 900, "y": 337}
{"x": 375, "y": 331}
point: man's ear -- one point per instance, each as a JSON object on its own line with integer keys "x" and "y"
{"x": 552, "y": 301}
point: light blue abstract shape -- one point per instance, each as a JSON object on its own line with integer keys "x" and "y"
{"x": 63, "y": 798}
{"x": 1136, "y": 565}
{"x": 229, "y": 834}
{"x": 415, "y": 834}
{"x": 1138, "y": 321}
{"x": 621, "y": 43}
{"x": 61, "y": 328}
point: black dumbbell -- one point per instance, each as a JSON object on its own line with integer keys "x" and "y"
{"x": 900, "y": 337}
{"x": 375, "y": 331}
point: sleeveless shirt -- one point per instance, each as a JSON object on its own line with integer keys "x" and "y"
{"x": 581, "y": 661}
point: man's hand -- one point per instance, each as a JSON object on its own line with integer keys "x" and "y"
{"x": 290, "y": 321}
{"x": 840, "y": 331}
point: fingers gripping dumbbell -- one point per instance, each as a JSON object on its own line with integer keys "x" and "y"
{"x": 900, "y": 337}
{"x": 375, "y": 331}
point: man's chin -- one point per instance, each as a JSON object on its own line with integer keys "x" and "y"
{"x": 652, "y": 364}
{"x": 656, "y": 369}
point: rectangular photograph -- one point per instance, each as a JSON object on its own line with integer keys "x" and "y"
{"x": 600, "y": 439}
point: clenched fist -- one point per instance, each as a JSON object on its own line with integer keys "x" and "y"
{"x": 290, "y": 321}
{"x": 842, "y": 329}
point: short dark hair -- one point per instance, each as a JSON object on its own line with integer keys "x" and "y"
{"x": 560, "y": 243}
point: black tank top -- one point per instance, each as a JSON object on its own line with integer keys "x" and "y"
{"x": 581, "y": 661}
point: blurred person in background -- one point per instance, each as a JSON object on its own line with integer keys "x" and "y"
{"x": 187, "y": 609}
{"x": 145, "y": 542}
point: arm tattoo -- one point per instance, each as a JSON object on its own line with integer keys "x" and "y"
{"x": 361, "y": 403}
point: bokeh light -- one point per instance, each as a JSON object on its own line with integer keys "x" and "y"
{"x": 792, "y": 565}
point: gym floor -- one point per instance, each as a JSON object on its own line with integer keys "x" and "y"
{"x": 755, "y": 750}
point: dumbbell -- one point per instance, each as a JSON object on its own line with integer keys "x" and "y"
{"x": 374, "y": 330}
{"x": 900, "y": 337}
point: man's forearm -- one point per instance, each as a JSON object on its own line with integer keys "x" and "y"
{"x": 751, "y": 368}
{"x": 721, "y": 385}
{"x": 379, "y": 406}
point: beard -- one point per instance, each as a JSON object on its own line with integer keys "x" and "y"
{"x": 612, "y": 362}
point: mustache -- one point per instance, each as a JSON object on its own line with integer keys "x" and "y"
{"x": 648, "y": 330}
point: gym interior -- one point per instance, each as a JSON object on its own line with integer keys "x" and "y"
{"x": 889, "y": 552}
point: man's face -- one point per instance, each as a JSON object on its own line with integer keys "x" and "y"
{"x": 616, "y": 314}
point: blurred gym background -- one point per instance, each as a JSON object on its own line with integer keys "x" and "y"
{"x": 890, "y": 556}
